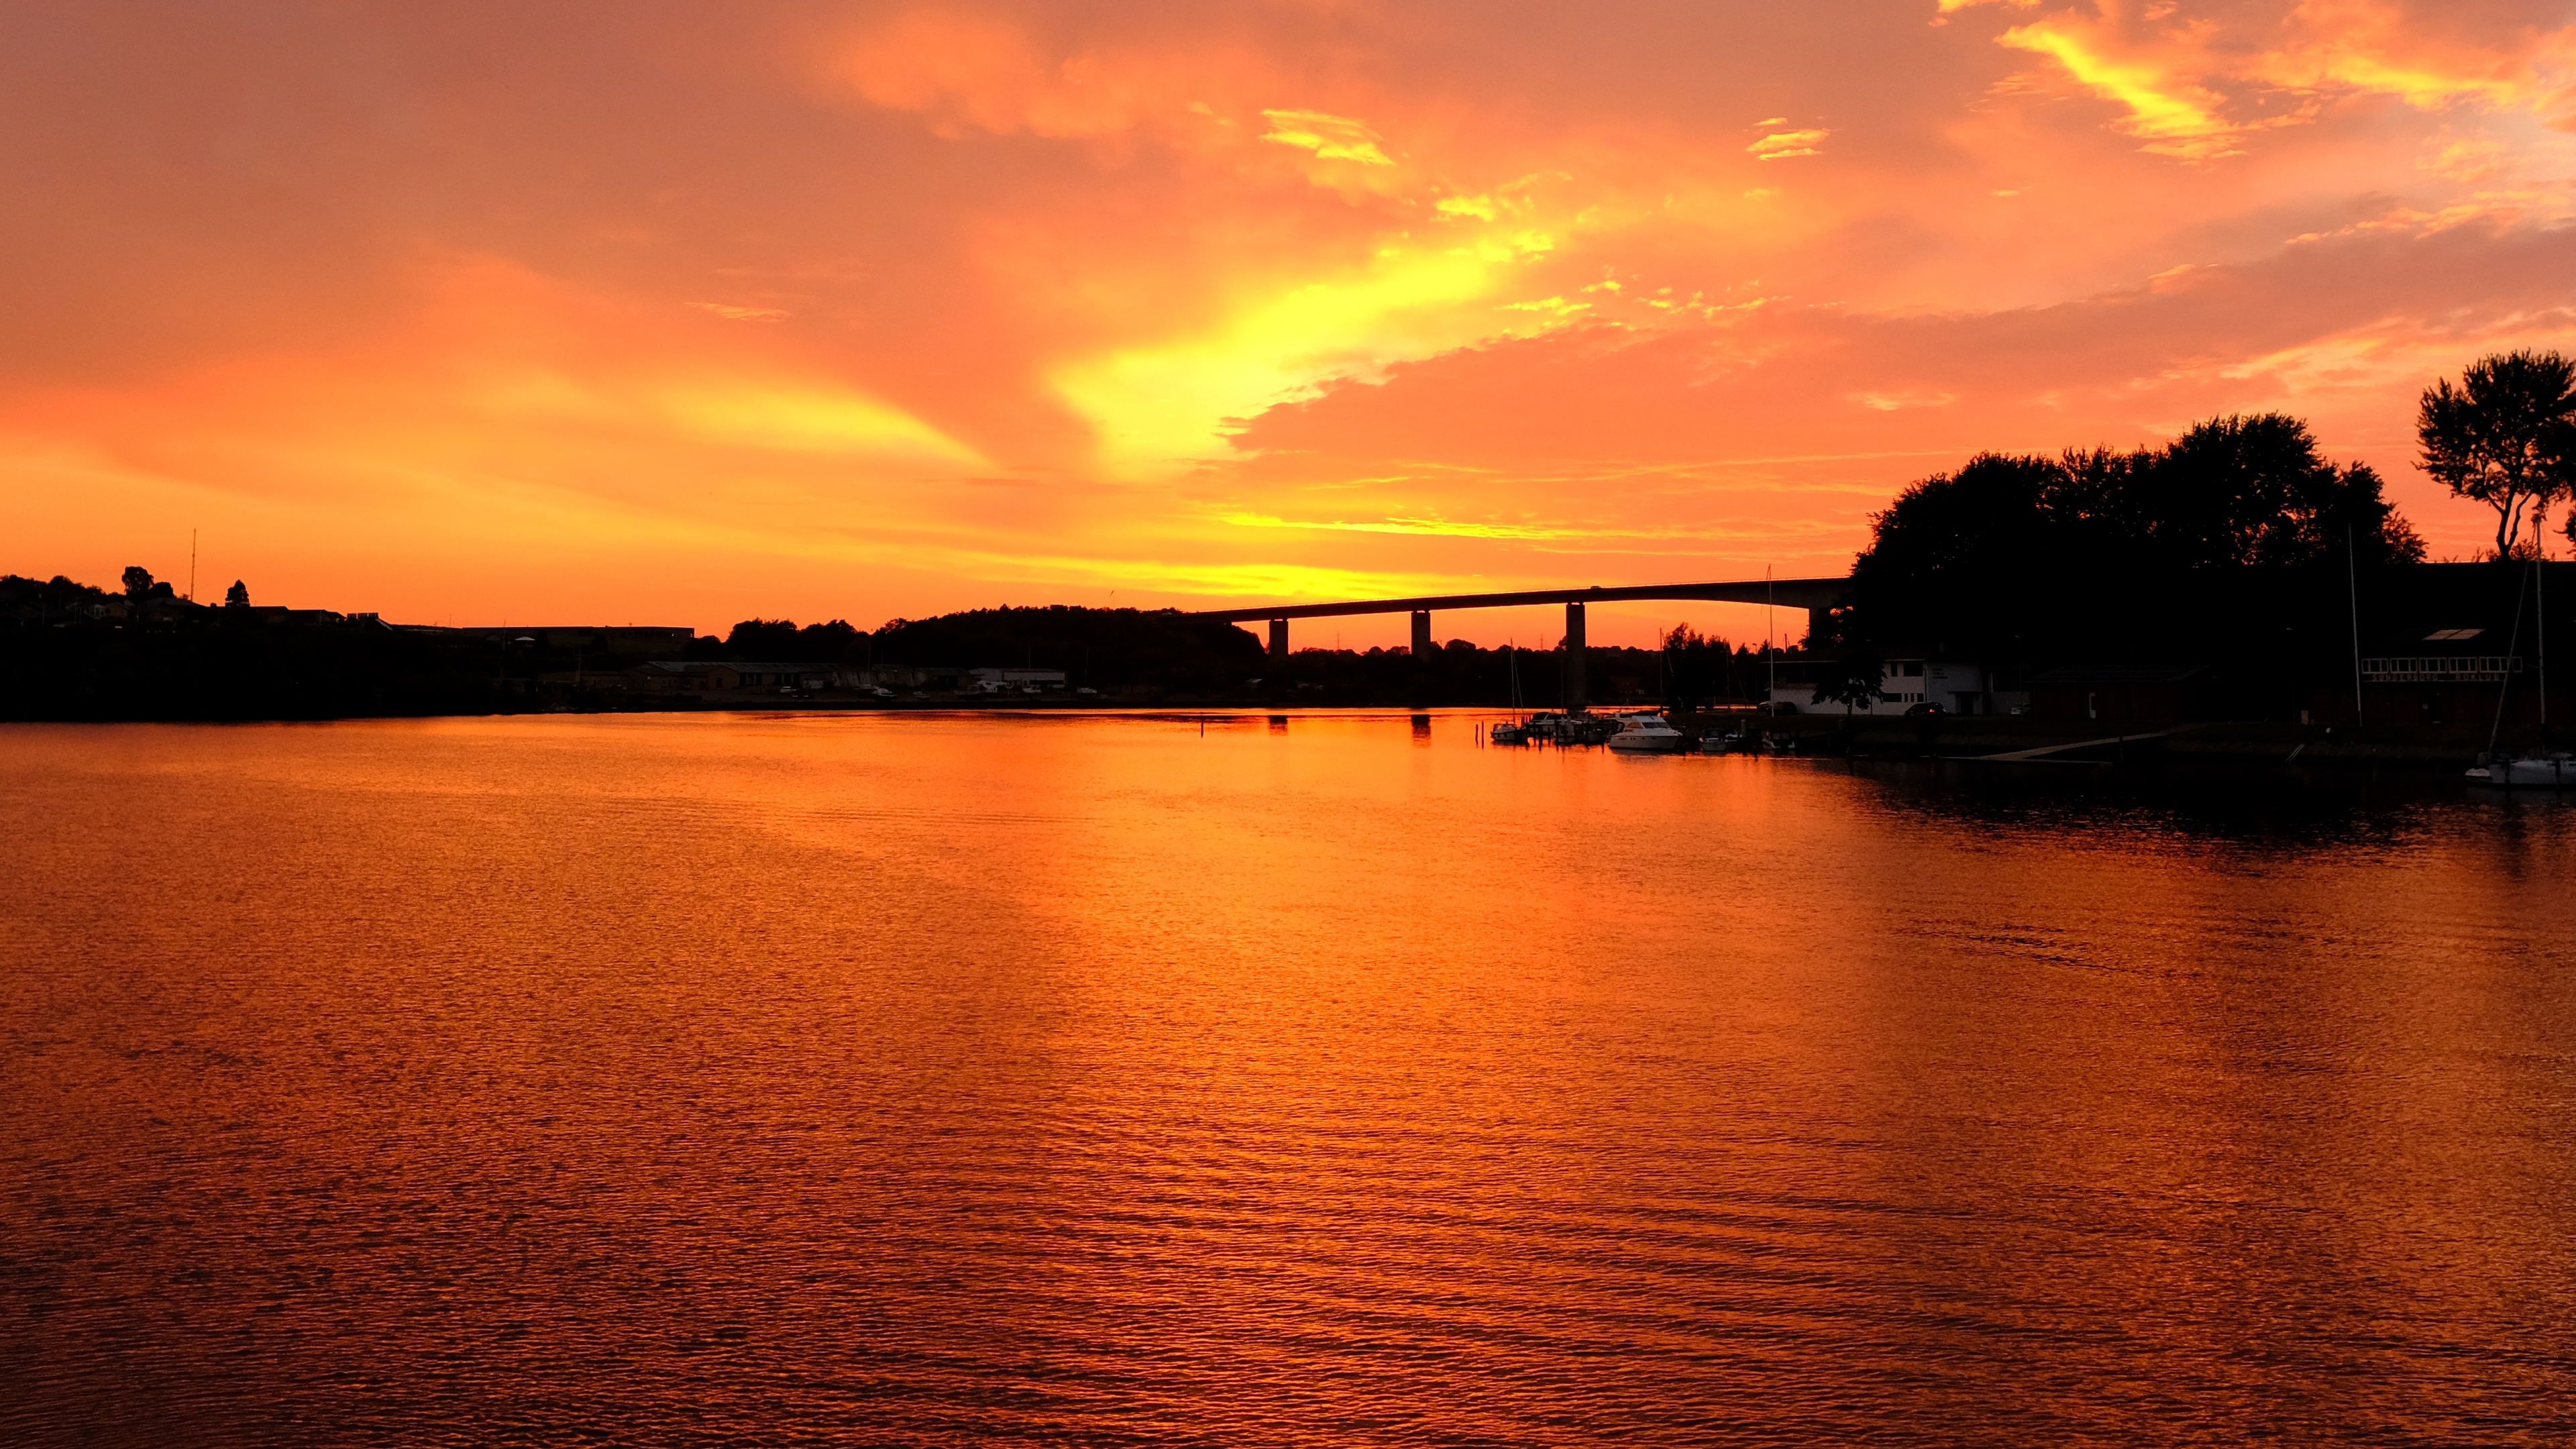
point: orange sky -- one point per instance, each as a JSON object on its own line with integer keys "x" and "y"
{"x": 680, "y": 313}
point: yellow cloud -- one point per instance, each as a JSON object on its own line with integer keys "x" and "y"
{"x": 2167, "y": 72}
{"x": 1330, "y": 137}
{"x": 1156, "y": 405}
{"x": 806, "y": 419}
{"x": 1480, "y": 207}
{"x": 2345, "y": 61}
{"x": 2176, "y": 117}
{"x": 1167, "y": 403}
{"x": 1780, "y": 145}
{"x": 1434, "y": 527}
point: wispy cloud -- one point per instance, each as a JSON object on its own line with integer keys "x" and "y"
{"x": 1330, "y": 137}
{"x": 1781, "y": 145}
{"x": 2200, "y": 86}
{"x": 741, "y": 314}
{"x": 1453, "y": 528}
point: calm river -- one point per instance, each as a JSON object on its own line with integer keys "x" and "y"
{"x": 955, "y": 1079}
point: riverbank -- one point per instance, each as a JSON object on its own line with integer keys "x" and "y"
{"x": 2012, "y": 741}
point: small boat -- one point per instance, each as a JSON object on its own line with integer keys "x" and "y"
{"x": 2543, "y": 769}
{"x": 1515, "y": 731}
{"x": 1649, "y": 734}
{"x": 1583, "y": 729}
{"x": 1556, "y": 728}
{"x": 2555, "y": 770}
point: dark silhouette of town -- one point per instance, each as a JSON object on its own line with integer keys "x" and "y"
{"x": 2234, "y": 576}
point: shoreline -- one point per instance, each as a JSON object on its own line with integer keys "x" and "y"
{"x": 1991, "y": 742}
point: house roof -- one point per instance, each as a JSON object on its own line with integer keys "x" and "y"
{"x": 2441, "y": 638}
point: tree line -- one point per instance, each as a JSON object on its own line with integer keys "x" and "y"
{"x": 2192, "y": 547}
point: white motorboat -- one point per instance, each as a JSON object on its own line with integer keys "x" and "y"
{"x": 1649, "y": 734}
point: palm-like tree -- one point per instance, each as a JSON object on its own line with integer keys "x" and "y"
{"x": 2506, "y": 436}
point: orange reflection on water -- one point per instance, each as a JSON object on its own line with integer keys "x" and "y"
{"x": 941, "y": 1078}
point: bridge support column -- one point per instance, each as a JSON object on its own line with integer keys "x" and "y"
{"x": 1279, "y": 640}
{"x": 1577, "y": 687}
{"x": 1422, "y": 645}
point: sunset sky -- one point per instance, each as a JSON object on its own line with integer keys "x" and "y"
{"x": 680, "y": 313}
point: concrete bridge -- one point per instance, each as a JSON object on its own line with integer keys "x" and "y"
{"x": 1813, "y": 595}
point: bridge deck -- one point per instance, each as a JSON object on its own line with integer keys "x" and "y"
{"x": 1808, "y": 594}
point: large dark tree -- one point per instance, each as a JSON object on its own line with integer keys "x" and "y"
{"x": 2506, "y": 436}
{"x": 1957, "y": 552}
{"x": 2025, "y": 555}
{"x": 2241, "y": 490}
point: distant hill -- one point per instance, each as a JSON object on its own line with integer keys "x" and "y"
{"x": 1096, "y": 647}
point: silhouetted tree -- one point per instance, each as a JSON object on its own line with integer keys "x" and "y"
{"x": 2242, "y": 490}
{"x": 45, "y": 600}
{"x": 1697, "y": 667}
{"x": 2015, "y": 551}
{"x": 1853, "y": 679}
{"x": 1106, "y": 647}
{"x": 1957, "y": 552}
{"x": 781, "y": 640}
{"x": 771, "y": 639}
{"x": 2506, "y": 436}
{"x": 238, "y": 596}
{"x": 138, "y": 582}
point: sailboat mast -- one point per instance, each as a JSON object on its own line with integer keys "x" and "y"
{"x": 2513, "y": 644}
{"x": 2352, "y": 580}
{"x": 1770, "y": 642}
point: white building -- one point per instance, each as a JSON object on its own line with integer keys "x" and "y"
{"x": 1014, "y": 681}
{"x": 1956, "y": 688}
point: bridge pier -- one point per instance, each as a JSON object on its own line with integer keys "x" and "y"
{"x": 1422, "y": 645}
{"x": 1279, "y": 640}
{"x": 1577, "y": 688}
